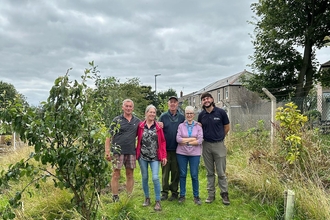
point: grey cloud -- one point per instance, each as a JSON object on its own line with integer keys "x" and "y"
{"x": 190, "y": 43}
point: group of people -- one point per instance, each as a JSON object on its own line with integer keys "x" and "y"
{"x": 174, "y": 141}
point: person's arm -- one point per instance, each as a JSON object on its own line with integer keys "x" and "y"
{"x": 198, "y": 139}
{"x": 107, "y": 148}
{"x": 162, "y": 146}
{"x": 160, "y": 121}
{"x": 160, "y": 124}
{"x": 189, "y": 141}
{"x": 185, "y": 140}
{"x": 226, "y": 128}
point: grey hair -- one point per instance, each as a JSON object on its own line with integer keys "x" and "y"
{"x": 149, "y": 107}
{"x": 189, "y": 108}
{"x": 128, "y": 100}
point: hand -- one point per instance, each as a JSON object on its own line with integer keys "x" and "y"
{"x": 161, "y": 124}
{"x": 164, "y": 161}
{"x": 108, "y": 157}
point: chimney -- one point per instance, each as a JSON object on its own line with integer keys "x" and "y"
{"x": 181, "y": 94}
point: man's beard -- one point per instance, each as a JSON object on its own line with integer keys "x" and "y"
{"x": 211, "y": 104}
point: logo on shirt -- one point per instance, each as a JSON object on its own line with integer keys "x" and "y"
{"x": 216, "y": 119}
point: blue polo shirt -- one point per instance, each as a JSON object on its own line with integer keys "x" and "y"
{"x": 213, "y": 124}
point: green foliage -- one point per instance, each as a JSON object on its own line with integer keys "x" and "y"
{"x": 313, "y": 115}
{"x": 291, "y": 123}
{"x": 325, "y": 77}
{"x": 110, "y": 94}
{"x": 7, "y": 91}
{"x": 166, "y": 94}
{"x": 8, "y": 138}
{"x": 68, "y": 134}
{"x": 255, "y": 186}
{"x": 260, "y": 169}
{"x": 7, "y": 94}
{"x": 282, "y": 30}
{"x": 163, "y": 100}
{"x": 146, "y": 97}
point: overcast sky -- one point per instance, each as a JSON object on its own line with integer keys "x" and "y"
{"x": 189, "y": 42}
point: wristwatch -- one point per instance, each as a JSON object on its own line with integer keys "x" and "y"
{"x": 187, "y": 143}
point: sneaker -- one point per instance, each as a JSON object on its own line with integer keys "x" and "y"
{"x": 225, "y": 198}
{"x": 164, "y": 197}
{"x": 146, "y": 202}
{"x": 115, "y": 198}
{"x": 158, "y": 207}
{"x": 182, "y": 199}
{"x": 173, "y": 197}
{"x": 197, "y": 200}
{"x": 210, "y": 199}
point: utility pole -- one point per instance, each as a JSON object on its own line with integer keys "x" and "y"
{"x": 156, "y": 82}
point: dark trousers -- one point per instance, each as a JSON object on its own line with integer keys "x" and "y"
{"x": 170, "y": 174}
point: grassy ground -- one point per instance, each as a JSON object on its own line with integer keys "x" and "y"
{"x": 242, "y": 206}
{"x": 256, "y": 186}
{"x": 51, "y": 203}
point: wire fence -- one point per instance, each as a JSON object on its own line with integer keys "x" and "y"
{"x": 245, "y": 117}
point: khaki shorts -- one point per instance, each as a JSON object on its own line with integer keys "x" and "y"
{"x": 128, "y": 160}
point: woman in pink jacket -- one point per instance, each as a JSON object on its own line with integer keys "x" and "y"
{"x": 189, "y": 150}
{"x": 150, "y": 149}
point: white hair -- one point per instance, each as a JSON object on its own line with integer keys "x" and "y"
{"x": 149, "y": 107}
{"x": 128, "y": 100}
{"x": 189, "y": 108}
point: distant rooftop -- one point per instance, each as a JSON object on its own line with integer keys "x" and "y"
{"x": 231, "y": 80}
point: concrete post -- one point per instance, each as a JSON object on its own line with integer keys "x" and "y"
{"x": 273, "y": 112}
{"x": 289, "y": 197}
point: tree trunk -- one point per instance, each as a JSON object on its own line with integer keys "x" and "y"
{"x": 305, "y": 77}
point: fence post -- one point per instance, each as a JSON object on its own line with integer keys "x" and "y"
{"x": 289, "y": 199}
{"x": 273, "y": 112}
{"x": 15, "y": 141}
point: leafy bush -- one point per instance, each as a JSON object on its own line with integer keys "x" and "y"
{"x": 68, "y": 134}
{"x": 290, "y": 127}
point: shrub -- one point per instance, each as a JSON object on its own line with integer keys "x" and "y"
{"x": 68, "y": 135}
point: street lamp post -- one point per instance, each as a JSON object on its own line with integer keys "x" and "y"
{"x": 156, "y": 82}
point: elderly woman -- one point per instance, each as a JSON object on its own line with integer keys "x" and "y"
{"x": 151, "y": 148}
{"x": 189, "y": 150}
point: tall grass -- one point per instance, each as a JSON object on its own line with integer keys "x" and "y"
{"x": 263, "y": 171}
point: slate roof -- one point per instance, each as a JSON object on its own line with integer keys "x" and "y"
{"x": 325, "y": 65}
{"x": 231, "y": 80}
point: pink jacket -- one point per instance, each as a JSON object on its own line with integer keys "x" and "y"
{"x": 161, "y": 153}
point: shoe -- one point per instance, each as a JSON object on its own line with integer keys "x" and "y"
{"x": 210, "y": 199}
{"x": 146, "y": 202}
{"x": 115, "y": 198}
{"x": 158, "y": 207}
{"x": 197, "y": 200}
{"x": 173, "y": 197}
{"x": 164, "y": 197}
{"x": 225, "y": 198}
{"x": 182, "y": 199}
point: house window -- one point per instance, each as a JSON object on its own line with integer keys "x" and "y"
{"x": 226, "y": 93}
{"x": 194, "y": 101}
{"x": 219, "y": 96}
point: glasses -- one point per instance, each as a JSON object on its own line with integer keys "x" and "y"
{"x": 189, "y": 113}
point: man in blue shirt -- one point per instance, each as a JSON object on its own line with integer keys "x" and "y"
{"x": 170, "y": 172}
{"x": 215, "y": 124}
